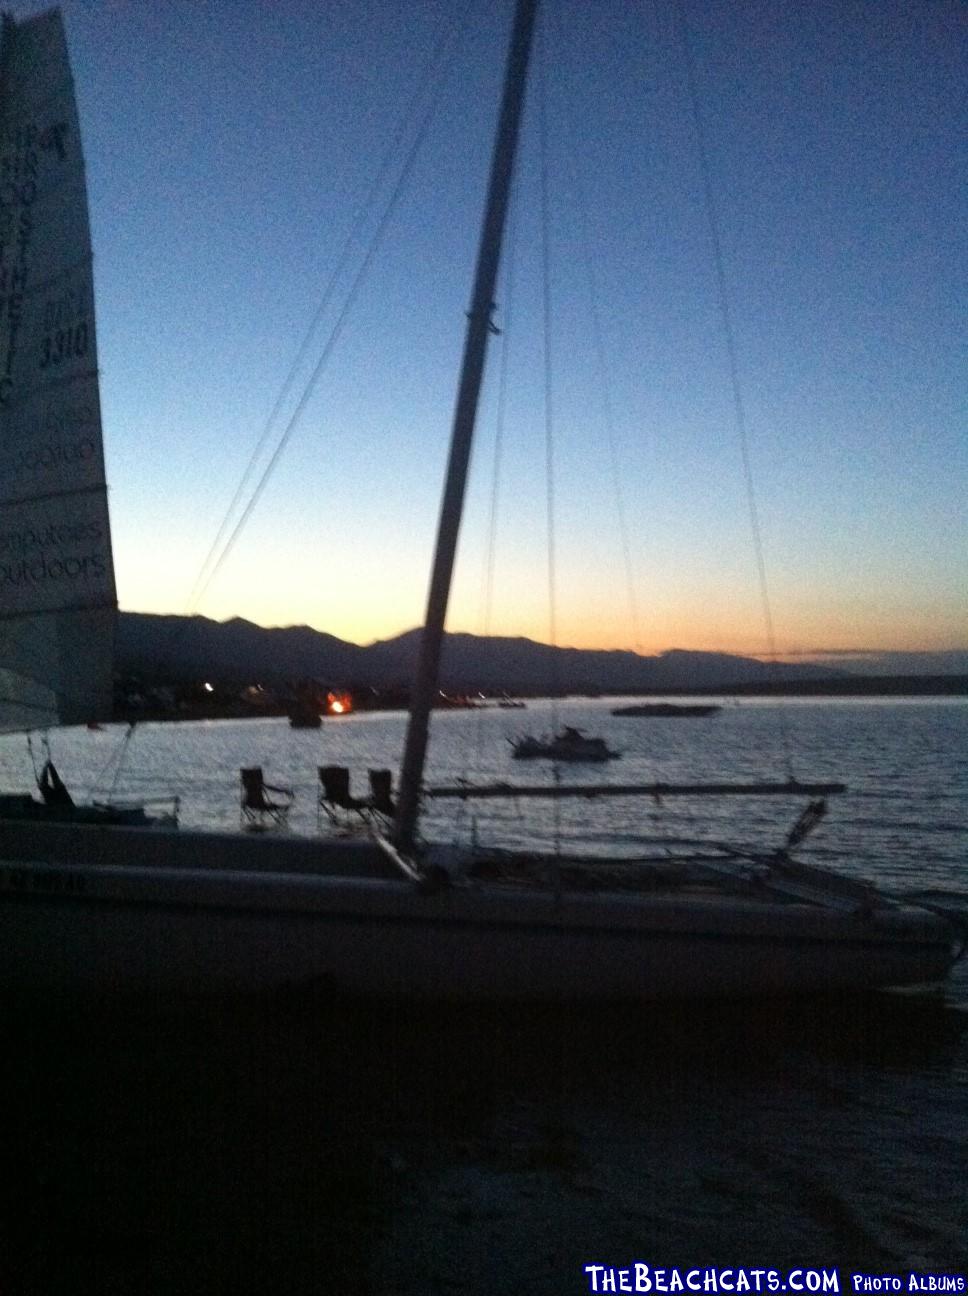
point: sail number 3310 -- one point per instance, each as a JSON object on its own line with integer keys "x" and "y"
{"x": 64, "y": 344}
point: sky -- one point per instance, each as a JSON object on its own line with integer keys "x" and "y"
{"x": 230, "y": 148}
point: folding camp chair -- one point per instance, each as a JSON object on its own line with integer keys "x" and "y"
{"x": 381, "y": 795}
{"x": 336, "y": 796}
{"x": 258, "y": 811}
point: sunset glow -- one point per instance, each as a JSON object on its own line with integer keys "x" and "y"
{"x": 845, "y": 288}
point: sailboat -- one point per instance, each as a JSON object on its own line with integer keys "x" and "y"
{"x": 59, "y": 602}
{"x": 101, "y": 906}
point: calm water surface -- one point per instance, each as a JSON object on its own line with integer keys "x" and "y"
{"x": 904, "y": 818}
{"x": 290, "y": 1146}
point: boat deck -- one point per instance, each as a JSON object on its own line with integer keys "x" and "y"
{"x": 705, "y": 870}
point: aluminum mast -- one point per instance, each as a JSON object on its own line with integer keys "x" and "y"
{"x": 465, "y": 414}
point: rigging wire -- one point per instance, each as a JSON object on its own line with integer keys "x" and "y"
{"x": 601, "y": 362}
{"x": 117, "y": 760}
{"x": 607, "y": 413}
{"x": 33, "y": 759}
{"x": 440, "y": 66}
{"x": 739, "y": 406}
{"x": 548, "y": 375}
{"x": 500, "y": 422}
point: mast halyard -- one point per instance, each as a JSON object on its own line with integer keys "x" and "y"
{"x": 465, "y": 414}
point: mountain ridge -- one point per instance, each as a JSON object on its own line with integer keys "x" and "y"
{"x": 179, "y": 648}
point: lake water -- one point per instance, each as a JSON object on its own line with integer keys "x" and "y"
{"x": 304, "y": 1146}
{"x": 903, "y": 820}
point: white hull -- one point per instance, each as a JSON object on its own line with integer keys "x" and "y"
{"x": 145, "y": 911}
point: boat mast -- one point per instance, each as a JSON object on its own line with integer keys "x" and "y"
{"x": 465, "y": 413}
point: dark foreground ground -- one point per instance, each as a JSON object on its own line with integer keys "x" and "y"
{"x": 294, "y": 1146}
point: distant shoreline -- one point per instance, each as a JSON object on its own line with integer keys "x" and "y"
{"x": 895, "y": 686}
{"x": 855, "y": 686}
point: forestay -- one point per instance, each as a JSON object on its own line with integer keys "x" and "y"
{"x": 57, "y": 593}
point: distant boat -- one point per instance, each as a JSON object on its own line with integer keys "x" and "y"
{"x": 669, "y": 709}
{"x": 568, "y": 745}
{"x": 89, "y": 906}
{"x": 305, "y": 717}
{"x": 458, "y": 702}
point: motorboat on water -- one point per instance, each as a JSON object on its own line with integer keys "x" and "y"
{"x": 668, "y": 710}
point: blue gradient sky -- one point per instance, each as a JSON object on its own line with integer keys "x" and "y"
{"x": 228, "y": 146}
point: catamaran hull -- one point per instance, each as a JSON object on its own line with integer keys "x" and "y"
{"x": 144, "y": 927}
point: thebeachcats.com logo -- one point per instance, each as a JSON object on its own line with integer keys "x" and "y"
{"x": 641, "y": 1277}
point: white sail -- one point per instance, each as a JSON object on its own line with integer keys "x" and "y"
{"x": 57, "y": 593}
